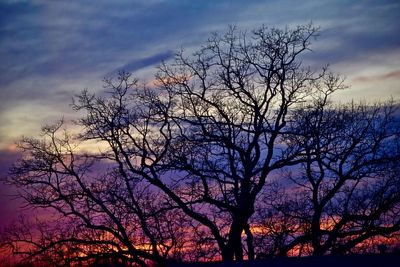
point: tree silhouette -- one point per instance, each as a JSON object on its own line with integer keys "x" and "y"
{"x": 229, "y": 106}
{"x": 180, "y": 167}
{"x": 347, "y": 189}
{"x": 103, "y": 214}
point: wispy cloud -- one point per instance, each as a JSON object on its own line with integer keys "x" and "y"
{"x": 52, "y": 49}
{"x": 381, "y": 77}
{"x": 140, "y": 63}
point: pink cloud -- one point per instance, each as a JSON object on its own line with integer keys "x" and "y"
{"x": 389, "y": 75}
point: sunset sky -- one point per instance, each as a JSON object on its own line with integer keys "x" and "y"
{"x": 50, "y": 50}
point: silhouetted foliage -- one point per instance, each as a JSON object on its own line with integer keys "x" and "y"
{"x": 181, "y": 168}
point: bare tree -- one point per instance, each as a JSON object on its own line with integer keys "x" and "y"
{"x": 231, "y": 106}
{"x": 348, "y": 189}
{"x": 106, "y": 211}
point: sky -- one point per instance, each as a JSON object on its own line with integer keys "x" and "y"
{"x": 51, "y": 50}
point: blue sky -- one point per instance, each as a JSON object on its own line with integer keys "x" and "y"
{"x": 51, "y": 50}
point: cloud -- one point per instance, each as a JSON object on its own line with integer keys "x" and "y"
{"x": 137, "y": 64}
{"x": 380, "y": 77}
{"x": 52, "y": 49}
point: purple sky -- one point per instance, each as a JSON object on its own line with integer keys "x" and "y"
{"x": 51, "y": 50}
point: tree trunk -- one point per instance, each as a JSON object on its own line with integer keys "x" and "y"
{"x": 235, "y": 237}
{"x": 316, "y": 234}
{"x": 249, "y": 240}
